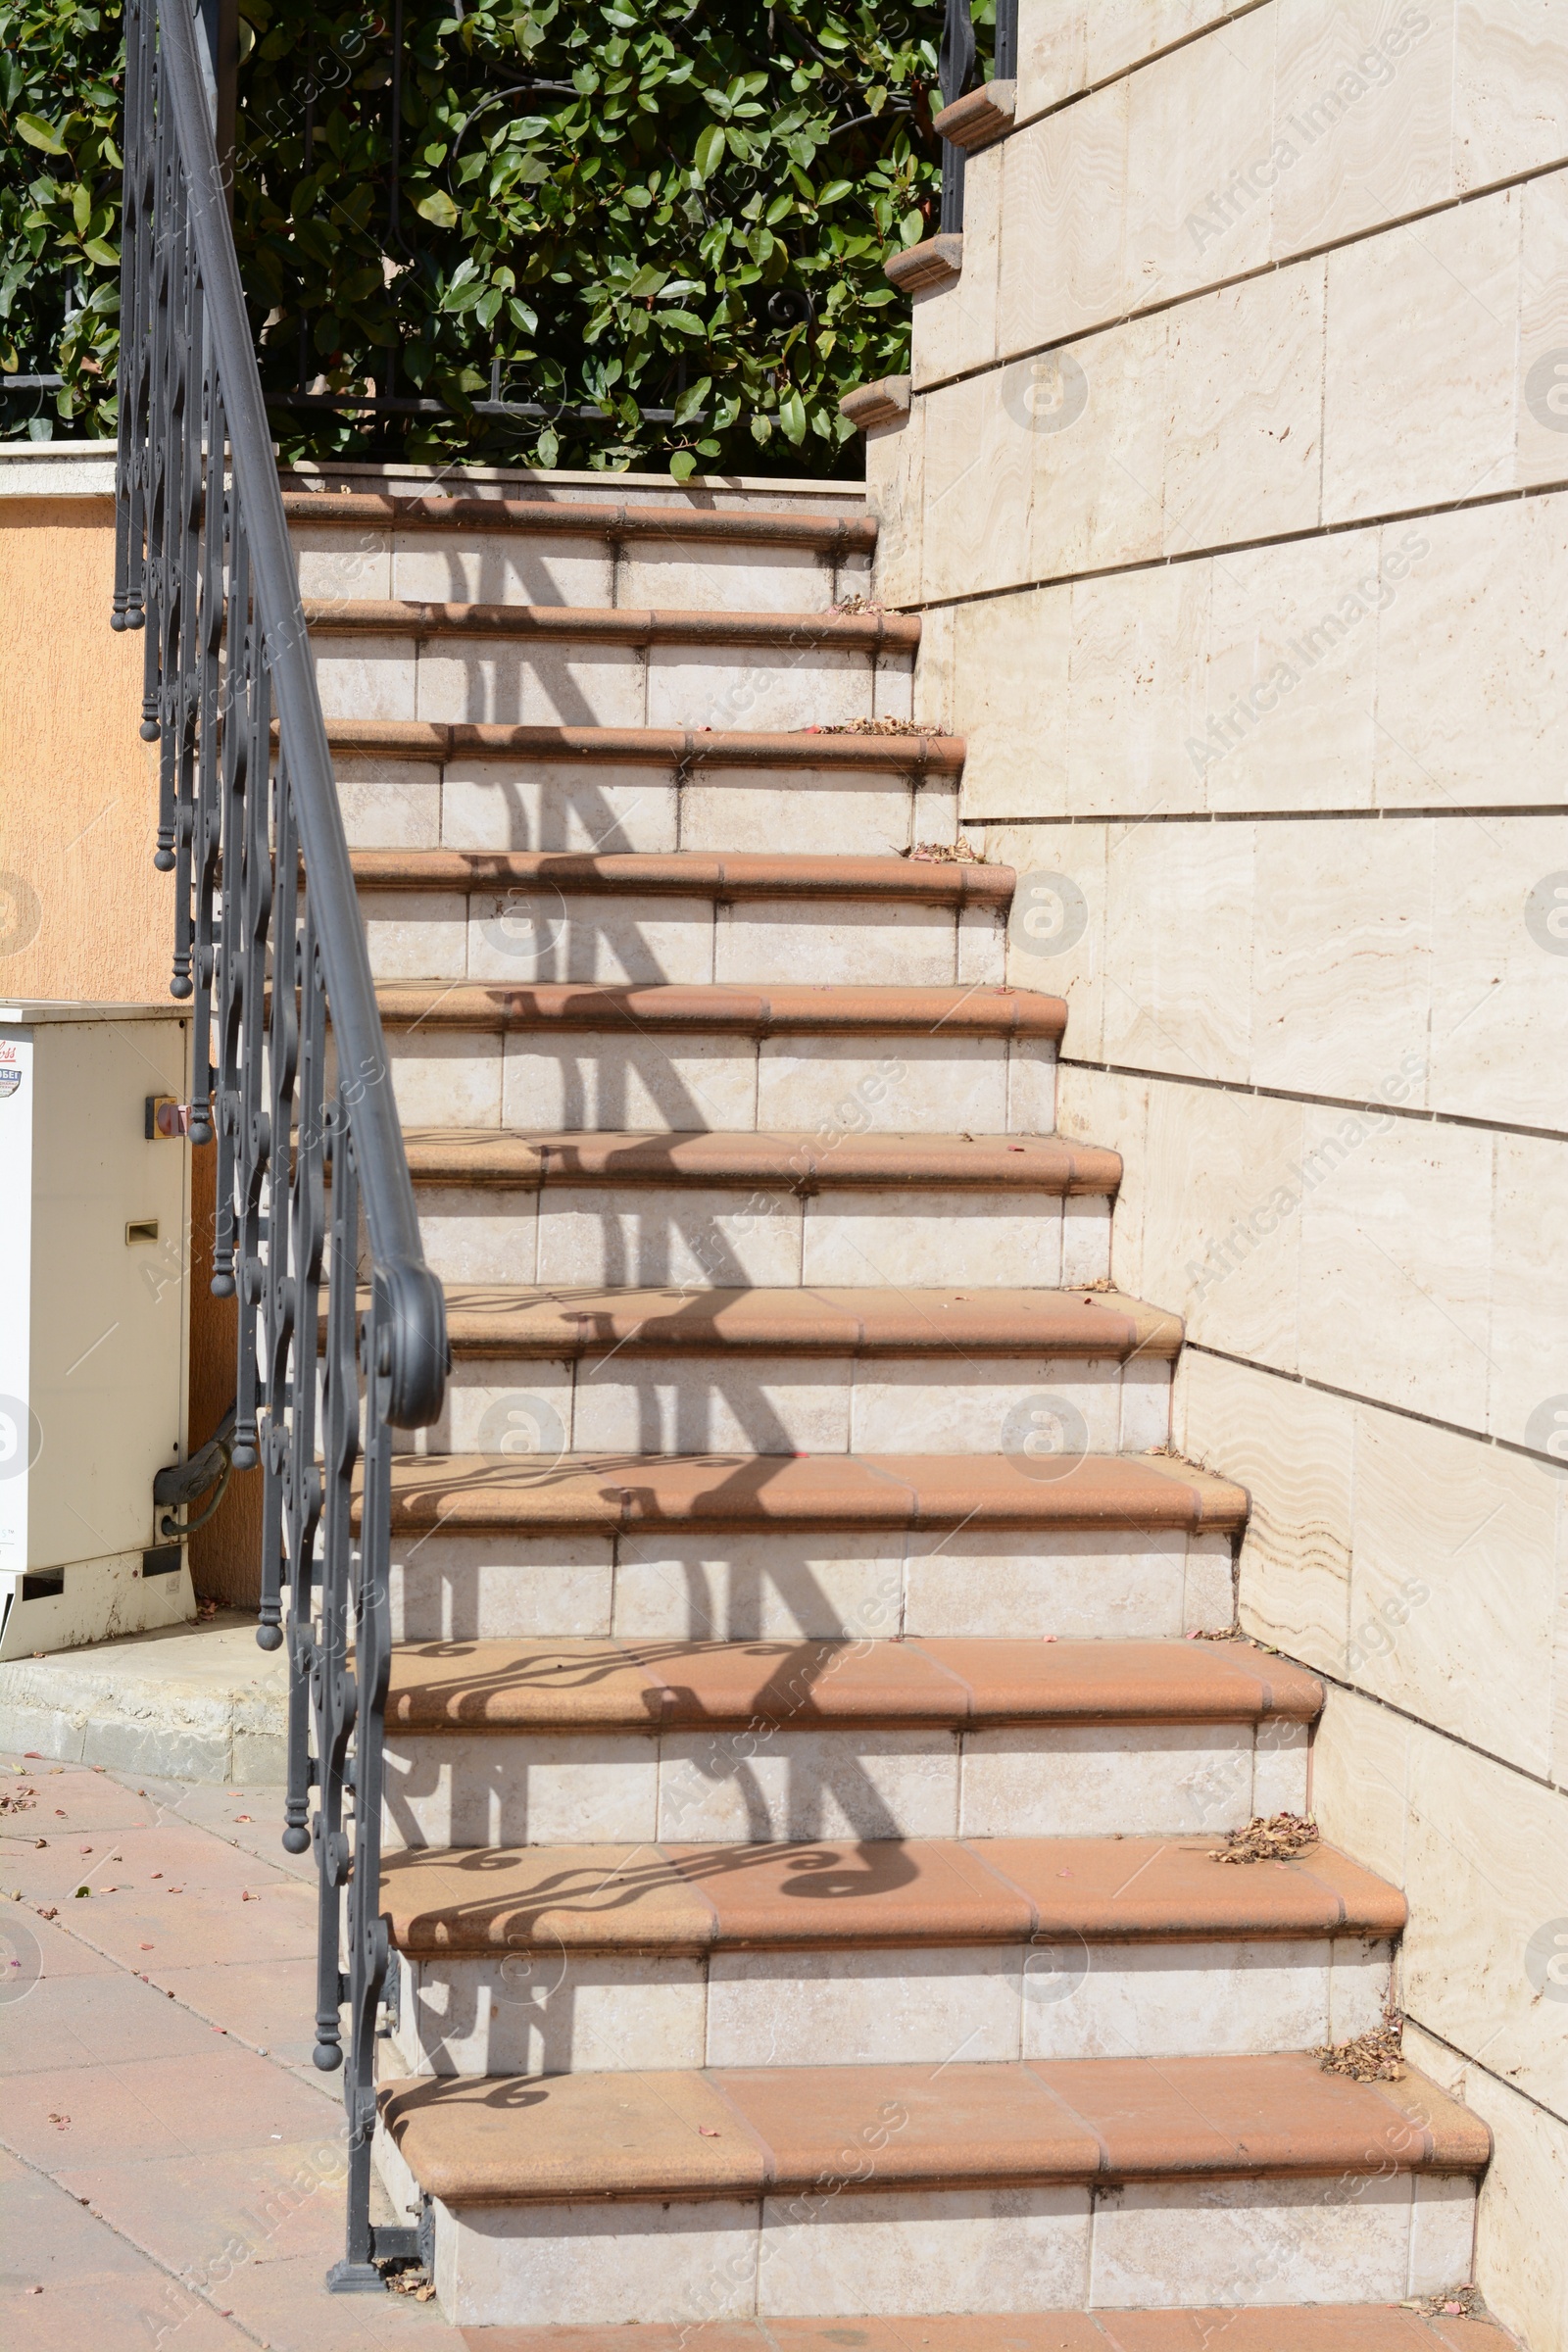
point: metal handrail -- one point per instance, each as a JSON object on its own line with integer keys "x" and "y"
{"x": 291, "y": 1078}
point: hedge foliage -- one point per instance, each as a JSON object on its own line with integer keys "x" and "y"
{"x": 633, "y": 206}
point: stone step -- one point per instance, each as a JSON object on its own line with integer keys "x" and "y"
{"x": 1043, "y": 1374}
{"x": 565, "y": 1054}
{"x": 1272, "y": 2327}
{"x": 387, "y": 657}
{"x": 499, "y": 1206}
{"x": 415, "y": 784}
{"x": 556, "y": 1742}
{"x": 377, "y": 543}
{"x": 1047, "y": 2185}
{"x": 689, "y": 916}
{"x": 736, "y": 1547}
{"x": 561, "y": 1959}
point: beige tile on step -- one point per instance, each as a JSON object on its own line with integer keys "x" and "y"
{"x": 1487, "y": 1862}
{"x": 1362, "y": 1782}
{"x": 1397, "y": 1262}
{"x": 878, "y": 2252}
{"x": 1281, "y": 1768}
{"x": 470, "y": 1587}
{"x": 1174, "y": 2000}
{"x": 1363, "y": 97}
{"x": 1248, "y": 2242}
{"x": 741, "y": 1587}
{"x": 1103, "y": 1106}
{"x": 337, "y": 562}
{"x": 578, "y": 2013}
{"x": 1293, "y": 667}
{"x": 1144, "y": 1404}
{"x": 752, "y": 1404}
{"x": 1511, "y": 89}
{"x": 550, "y": 1788}
{"x": 1472, "y": 688}
{"x": 895, "y": 493}
{"x": 1453, "y": 1583}
{"x": 769, "y": 1782}
{"x": 592, "y": 2265}
{"x": 1209, "y": 1595}
{"x": 1221, "y": 1235}
{"x": 953, "y": 327}
{"x": 1343, "y": 953}
{"x": 503, "y": 1407}
{"x": 1064, "y": 196}
{"x": 389, "y": 803}
{"x": 1529, "y": 1346}
{"x": 982, "y": 945}
{"x": 1053, "y": 53}
{"x": 1085, "y": 1240}
{"x": 916, "y": 1239}
{"x": 1178, "y": 948}
{"x": 884, "y": 2008}
{"x": 1137, "y": 689}
{"x": 1010, "y": 673}
{"x": 1098, "y": 416}
{"x": 1245, "y": 378}
{"x": 479, "y": 1234}
{"x": 1418, "y": 403}
{"x": 979, "y": 460}
{"x": 757, "y": 942}
{"x": 893, "y": 688}
{"x": 502, "y": 567}
{"x": 809, "y": 682}
{"x": 926, "y": 1085}
{"x": 1443, "y": 2232}
{"x": 1293, "y": 1450}
{"x": 1105, "y": 1779}
{"x": 1543, "y": 362}
{"x": 1057, "y": 923}
{"x": 539, "y": 933}
{"x": 365, "y": 677}
{"x": 521, "y": 683}
{"x": 556, "y": 805}
{"x": 415, "y": 935}
{"x": 1200, "y": 162}
{"x": 1078, "y": 1584}
{"x": 1032, "y": 1088}
{"x": 670, "y": 575}
{"x": 931, "y": 681}
{"x": 583, "y": 1080}
{"x": 967, "y": 1402}
{"x": 1499, "y": 985}
{"x": 1360, "y": 1987}
{"x": 758, "y": 808}
{"x": 445, "y": 1079}
{"x": 640, "y": 1234}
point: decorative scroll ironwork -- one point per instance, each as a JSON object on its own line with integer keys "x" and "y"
{"x": 341, "y": 1325}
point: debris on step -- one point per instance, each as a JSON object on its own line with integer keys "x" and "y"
{"x": 16, "y": 1800}
{"x": 406, "y": 2277}
{"x": 1223, "y": 1632}
{"x": 1376, "y": 2056}
{"x": 1268, "y": 1838}
{"x": 1452, "y": 2303}
{"x": 857, "y": 603}
{"x": 943, "y": 853}
{"x": 866, "y": 727}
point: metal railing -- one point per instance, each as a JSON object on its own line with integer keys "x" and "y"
{"x": 341, "y": 1325}
{"x": 956, "y": 60}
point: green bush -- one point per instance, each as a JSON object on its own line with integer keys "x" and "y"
{"x": 629, "y": 206}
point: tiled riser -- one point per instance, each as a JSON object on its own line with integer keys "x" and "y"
{"x": 581, "y": 1079}
{"x": 592, "y": 804}
{"x": 838, "y": 2252}
{"x": 728, "y": 1238}
{"x": 775, "y": 1784}
{"x": 526, "y": 682}
{"x": 958, "y": 1403}
{"x": 531, "y": 567}
{"x": 1078, "y": 1585}
{"x": 555, "y": 2012}
{"x": 539, "y": 933}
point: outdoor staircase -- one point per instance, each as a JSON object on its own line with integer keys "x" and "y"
{"x": 816, "y": 1708}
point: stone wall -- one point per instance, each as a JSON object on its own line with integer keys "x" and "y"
{"x": 1234, "y": 489}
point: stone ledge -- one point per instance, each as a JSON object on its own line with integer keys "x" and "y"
{"x": 928, "y": 267}
{"x": 200, "y": 1702}
{"x": 979, "y": 118}
{"x": 884, "y": 402}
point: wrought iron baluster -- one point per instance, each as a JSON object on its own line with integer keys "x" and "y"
{"x": 203, "y": 561}
{"x": 955, "y": 73}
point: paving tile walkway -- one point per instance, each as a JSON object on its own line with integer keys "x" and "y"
{"x": 171, "y": 2162}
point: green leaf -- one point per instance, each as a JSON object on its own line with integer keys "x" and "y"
{"x": 792, "y": 417}
{"x": 40, "y": 134}
{"x": 692, "y": 399}
{"x": 708, "y": 153}
{"x": 438, "y": 208}
{"x": 97, "y": 249}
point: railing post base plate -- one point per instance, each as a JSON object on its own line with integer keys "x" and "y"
{"x": 354, "y": 2279}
